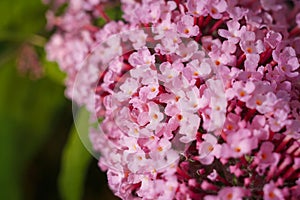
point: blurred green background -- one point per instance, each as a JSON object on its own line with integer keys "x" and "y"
{"x": 41, "y": 156}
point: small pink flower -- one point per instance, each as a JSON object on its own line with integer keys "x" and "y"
{"x": 196, "y": 8}
{"x": 192, "y": 102}
{"x": 262, "y": 103}
{"x": 186, "y": 26}
{"x": 155, "y": 116}
{"x": 273, "y": 39}
{"x": 241, "y": 91}
{"x": 160, "y": 149}
{"x": 232, "y": 33}
{"x": 278, "y": 121}
{"x": 252, "y": 51}
{"x": 141, "y": 57}
{"x": 287, "y": 61}
{"x": 216, "y": 7}
{"x": 234, "y": 169}
{"x": 208, "y": 149}
{"x": 149, "y": 92}
{"x": 228, "y": 193}
{"x": 259, "y": 127}
{"x": 138, "y": 38}
{"x": 189, "y": 124}
{"x": 199, "y": 69}
{"x": 231, "y": 124}
{"x": 239, "y": 144}
{"x": 163, "y": 28}
{"x": 169, "y": 42}
{"x": 187, "y": 51}
{"x": 265, "y": 155}
{"x": 271, "y": 192}
{"x": 128, "y": 88}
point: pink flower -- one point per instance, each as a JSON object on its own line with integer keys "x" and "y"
{"x": 233, "y": 32}
{"x": 197, "y": 69}
{"x": 279, "y": 120}
{"x": 163, "y": 28}
{"x": 128, "y": 88}
{"x": 259, "y": 127}
{"x": 228, "y": 193}
{"x": 192, "y": 102}
{"x": 218, "y": 109}
{"x": 273, "y": 39}
{"x": 216, "y": 7}
{"x": 196, "y": 8}
{"x": 231, "y": 124}
{"x": 262, "y": 103}
{"x": 287, "y": 61}
{"x": 169, "y": 43}
{"x": 232, "y": 193}
{"x": 187, "y": 51}
{"x": 186, "y": 26}
{"x": 188, "y": 124}
{"x": 265, "y": 155}
{"x": 137, "y": 161}
{"x": 138, "y": 38}
{"x": 155, "y": 116}
{"x": 239, "y": 144}
{"x": 160, "y": 149}
{"x": 142, "y": 57}
{"x": 149, "y": 92}
{"x": 271, "y": 192}
{"x": 242, "y": 91}
{"x": 252, "y": 51}
{"x": 208, "y": 149}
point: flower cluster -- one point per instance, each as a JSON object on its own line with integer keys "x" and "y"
{"x": 199, "y": 99}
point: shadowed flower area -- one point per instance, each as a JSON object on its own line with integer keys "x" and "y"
{"x": 37, "y": 137}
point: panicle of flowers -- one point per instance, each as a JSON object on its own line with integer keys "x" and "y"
{"x": 200, "y": 99}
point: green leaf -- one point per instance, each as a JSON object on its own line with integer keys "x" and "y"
{"x": 114, "y": 13}
{"x": 53, "y": 72}
{"x": 27, "y": 118}
{"x": 75, "y": 161}
{"x": 21, "y": 19}
{"x": 9, "y": 171}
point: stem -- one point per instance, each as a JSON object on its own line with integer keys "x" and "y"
{"x": 264, "y": 57}
{"x": 294, "y": 32}
{"x": 181, "y": 173}
{"x": 240, "y": 61}
{"x": 249, "y": 114}
{"x": 297, "y": 153}
{"x": 287, "y": 161}
{"x": 177, "y": 3}
{"x": 216, "y": 26}
{"x": 102, "y": 13}
{"x": 198, "y": 37}
{"x": 91, "y": 28}
{"x": 292, "y": 148}
{"x": 283, "y": 143}
{"x": 207, "y": 20}
{"x": 195, "y": 21}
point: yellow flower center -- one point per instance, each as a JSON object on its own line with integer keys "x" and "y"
{"x": 237, "y": 149}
